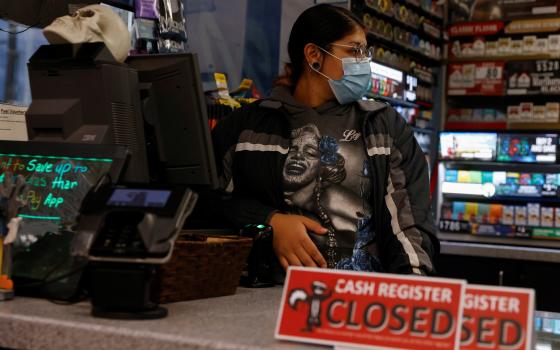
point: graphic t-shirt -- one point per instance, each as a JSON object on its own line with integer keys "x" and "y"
{"x": 326, "y": 177}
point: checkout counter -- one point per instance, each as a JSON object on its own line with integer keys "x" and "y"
{"x": 245, "y": 320}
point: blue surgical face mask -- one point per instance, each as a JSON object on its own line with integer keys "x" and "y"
{"x": 355, "y": 82}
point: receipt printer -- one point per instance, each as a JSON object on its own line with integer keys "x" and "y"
{"x": 126, "y": 231}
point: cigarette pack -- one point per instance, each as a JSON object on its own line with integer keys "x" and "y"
{"x": 520, "y": 215}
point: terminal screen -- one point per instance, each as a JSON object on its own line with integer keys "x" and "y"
{"x": 56, "y": 186}
{"x": 139, "y": 198}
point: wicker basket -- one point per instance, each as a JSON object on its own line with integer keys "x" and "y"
{"x": 201, "y": 269}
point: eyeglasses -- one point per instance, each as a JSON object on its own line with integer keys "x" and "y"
{"x": 360, "y": 51}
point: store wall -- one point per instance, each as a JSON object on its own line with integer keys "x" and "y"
{"x": 239, "y": 38}
{"x": 243, "y": 38}
{"x": 15, "y": 51}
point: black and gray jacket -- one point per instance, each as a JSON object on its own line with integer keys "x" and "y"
{"x": 251, "y": 146}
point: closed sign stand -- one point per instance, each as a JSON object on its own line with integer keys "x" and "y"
{"x": 497, "y": 318}
{"x": 374, "y": 310}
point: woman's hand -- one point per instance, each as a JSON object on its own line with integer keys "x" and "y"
{"x": 291, "y": 242}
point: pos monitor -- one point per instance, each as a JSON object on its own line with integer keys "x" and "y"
{"x": 176, "y": 124}
{"x": 80, "y": 94}
{"x": 58, "y": 178}
{"x": 153, "y": 105}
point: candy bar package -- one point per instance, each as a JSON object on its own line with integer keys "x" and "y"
{"x": 172, "y": 29}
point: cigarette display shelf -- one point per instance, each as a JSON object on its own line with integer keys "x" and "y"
{"x": 502, "y": 58}
{"x": 475, "y": 126}
{"x": 392, "y": 101}
{"x": 484, "y": 238}
{"x": 490, "y": 254}
{"x": 428, "y": 13}
{"x": 413, "y": 53}
{"x": 426, "y": 35}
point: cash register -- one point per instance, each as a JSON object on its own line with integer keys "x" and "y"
{"x": 154, "y": 107}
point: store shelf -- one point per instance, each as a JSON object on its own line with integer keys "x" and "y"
{"x": 501, "y": 199}
{"x": 523, "y": 242}
{"x": 494, "y": 166}
{"x": 519, "y": 92}
{"x": 403, "y": 69}
{"x": 425, "y": 104}
{"x": 413, "y": 53}
{"x": 477, "y": 100}
{"x": 502, "y": 58}
{"x": 392, "y": 101}
{"x": 489, "y": 166}
{"x": 476, "y": 126}
{"x": 422, "y": 11}
{"x": 497, "y": 247}
{"x": 395, "y": 21}
{"x": 535, "y": 126}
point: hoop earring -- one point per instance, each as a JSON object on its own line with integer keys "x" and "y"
{"x": 316, "y": 65}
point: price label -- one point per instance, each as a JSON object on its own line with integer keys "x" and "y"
{"x": 450, "y": 226}
{"x": 547, "y": 66}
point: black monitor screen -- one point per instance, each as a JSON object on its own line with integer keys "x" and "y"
{"x": 58, "y": 177}
{"x": 177, "y": 132}
{"x": 139, "y": 198}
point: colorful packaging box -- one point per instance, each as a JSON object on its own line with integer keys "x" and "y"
{"x": 491, "y": 48}
{"x": 539, "y": 113}
{"x": 554, "y": 44}
{"x": 514, "y": 113}
{"x": 552, "y": 112}
{"x": 508, "y": 215}
{"x": 547, "y": 217}
{"x": 475, "y": 177}
{"x": 459, "y": 211}
{"x": 534, "y": 213}
{"x": 464, "y": 176}
{"x": 496, "y": 213}
{"x": 483, "y": 213}
{"x": 451, "y": 175}
{"x": 529, "y": 44}
{"x": 471, "y": 211}
{"x": 499, "y": 177}
{"x": 521, "y": 215}
{"x": 504, "y": 46}
{"x": 557, "y": 217}
{"x": 487, "y": 176}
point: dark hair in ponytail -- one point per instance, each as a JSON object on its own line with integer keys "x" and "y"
{"x": 320, "y": 25}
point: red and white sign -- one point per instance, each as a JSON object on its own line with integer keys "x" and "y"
{"x": 476, "y": 78}
{"x": 473, "y": 29}
{"x": 373, "y": 310}
{"x": 497, "y": 318}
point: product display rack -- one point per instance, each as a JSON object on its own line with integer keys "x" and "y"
{"x": 497, "y": 214}
{"x": 408, "y": 38}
